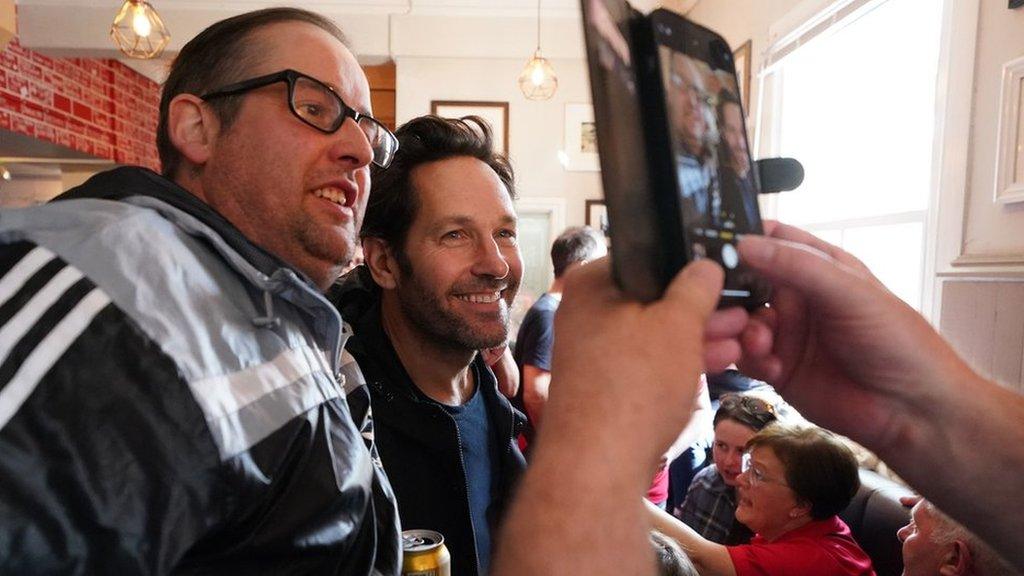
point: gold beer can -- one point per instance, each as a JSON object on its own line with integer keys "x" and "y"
{"x": 424, "y": 554}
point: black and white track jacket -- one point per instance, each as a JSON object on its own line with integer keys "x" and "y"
{"x": 170, "y": 398}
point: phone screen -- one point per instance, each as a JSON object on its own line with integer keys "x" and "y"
{"x": 717, "y": 179}
{"x": 678, "y": 179}
{"x": 643, "y": 259}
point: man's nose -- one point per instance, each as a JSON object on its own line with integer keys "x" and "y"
{"x": 733, "y": 459}
{"x": 903, "y": 533}
{"x": 351, "y": 145}
{"x": 490, "y": 260}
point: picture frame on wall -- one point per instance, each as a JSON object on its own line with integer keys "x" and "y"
{"x": 495, "y": 113}
{"x": 580, "y": 143}
{"x": 596, "y": 216}
{"x": 1010, "y": 151}
{"x": 741, "y": 59}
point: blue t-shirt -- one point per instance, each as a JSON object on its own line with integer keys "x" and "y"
{"x": 474, "y": 426}
{"x": 537, "y": 334}
{"x": 533, "y": 346}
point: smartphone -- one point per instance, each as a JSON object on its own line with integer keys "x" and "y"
{"x": 678, "y": 177}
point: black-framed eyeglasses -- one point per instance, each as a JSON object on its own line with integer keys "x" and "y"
{"x": 761, "y": 411}
{"x": 319, "y": 106}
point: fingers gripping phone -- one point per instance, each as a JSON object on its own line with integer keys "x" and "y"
{"x": 679, "y": 181}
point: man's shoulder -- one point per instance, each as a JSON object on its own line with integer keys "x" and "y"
{"x": 547, "y": 303}
{"x": 708, "y": 475}
{"x": 542, "y": 311}
{"x": 708, "y": 483}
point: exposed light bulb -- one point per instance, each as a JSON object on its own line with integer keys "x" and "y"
{"x": 140, "y": 22}
{"x": 537, "y": 74}
{"x": 5, "y": 174}
{"x": 138, "y": 30}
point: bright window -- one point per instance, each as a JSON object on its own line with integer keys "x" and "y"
{"x": 852, "y": 96}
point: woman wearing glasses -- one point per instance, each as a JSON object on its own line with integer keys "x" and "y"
{"x": 710, "y": 504}
{"x": 795, "y": 481}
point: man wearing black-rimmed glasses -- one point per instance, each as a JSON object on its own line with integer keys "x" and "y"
{"x": 173, "y": 392}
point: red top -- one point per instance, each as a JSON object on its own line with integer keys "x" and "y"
{"x": 819, "y": 548}
{"x": 658, "y": 492}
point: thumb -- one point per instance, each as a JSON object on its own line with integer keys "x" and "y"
{"x": 698, "y": 287}
{"x": 811, "y": 272}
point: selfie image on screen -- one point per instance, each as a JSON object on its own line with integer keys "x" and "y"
{"x": 719, "y": 195}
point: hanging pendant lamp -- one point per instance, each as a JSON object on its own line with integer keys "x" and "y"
{"x": 537, "y": 81}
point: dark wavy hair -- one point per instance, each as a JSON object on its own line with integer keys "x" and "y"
{"x": 393, "y": 203}
{"x": 222, "y": 54}
{"x": 820, "y": 468}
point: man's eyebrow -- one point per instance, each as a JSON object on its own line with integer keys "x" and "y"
{"x": 462, "y": 220}
{"x": 337, "y": 92}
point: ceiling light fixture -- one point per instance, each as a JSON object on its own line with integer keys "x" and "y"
{"x": 138, "y": 30}
{"x": 538, "y": 80}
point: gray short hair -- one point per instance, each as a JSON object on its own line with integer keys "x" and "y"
{"x": 986, "y": 561}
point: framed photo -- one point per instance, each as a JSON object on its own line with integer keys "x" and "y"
{"x": 741, "y": 58}
{"x": 580, "y": 139}
{"x": 496, "y": 114}
{"x": 597, "y": 216}
{"x": 1010, "y": 155}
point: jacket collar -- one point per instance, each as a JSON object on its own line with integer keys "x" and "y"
{"x": 127, "y": 182}
{"x": 266, "y": 272}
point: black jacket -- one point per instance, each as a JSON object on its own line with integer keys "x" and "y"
{"x": 418, "y": 440}
{"x": 175, "y": 408}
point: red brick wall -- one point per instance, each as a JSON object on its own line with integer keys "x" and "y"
{"x": 99, "y": 107}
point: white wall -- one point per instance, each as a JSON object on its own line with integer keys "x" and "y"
{"x": 535, "y": 128}
{"x": 991, "y": 229}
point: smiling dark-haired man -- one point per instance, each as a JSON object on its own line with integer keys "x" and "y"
{"x": 442, "y": 268}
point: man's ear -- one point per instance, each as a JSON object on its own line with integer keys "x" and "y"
{"x": 382, "y": 264}
{"x": 957, "y": 560}
{"x": 192, "y": 128}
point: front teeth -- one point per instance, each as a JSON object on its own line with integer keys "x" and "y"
{"x": 332, "y": 194}
{"x": 481, "y": 298}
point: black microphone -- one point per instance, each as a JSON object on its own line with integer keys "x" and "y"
{"x": 779, "y": 174}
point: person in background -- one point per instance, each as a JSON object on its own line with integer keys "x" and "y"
{"x": 500, "y": 359}
{"x": 795, "y": 481}
{"x": 935, "y": 545}
{"x": 442, "y": 269}
{"x": 710, "y": 504}
{"x": 671, "y": 559}
{"x": 575, "y": 246}
{"x": 687, "y": 453}
{"x": 692, "y": 121}
{"x": 739, "y": 195}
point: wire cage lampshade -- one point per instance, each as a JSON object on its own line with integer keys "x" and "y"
{"x": 138, "y": 30}
{"x": 537, "y": 81}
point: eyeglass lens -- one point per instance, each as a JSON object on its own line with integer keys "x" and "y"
{"x": 747, "y": 467}
{"x": 321, "y": 108}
